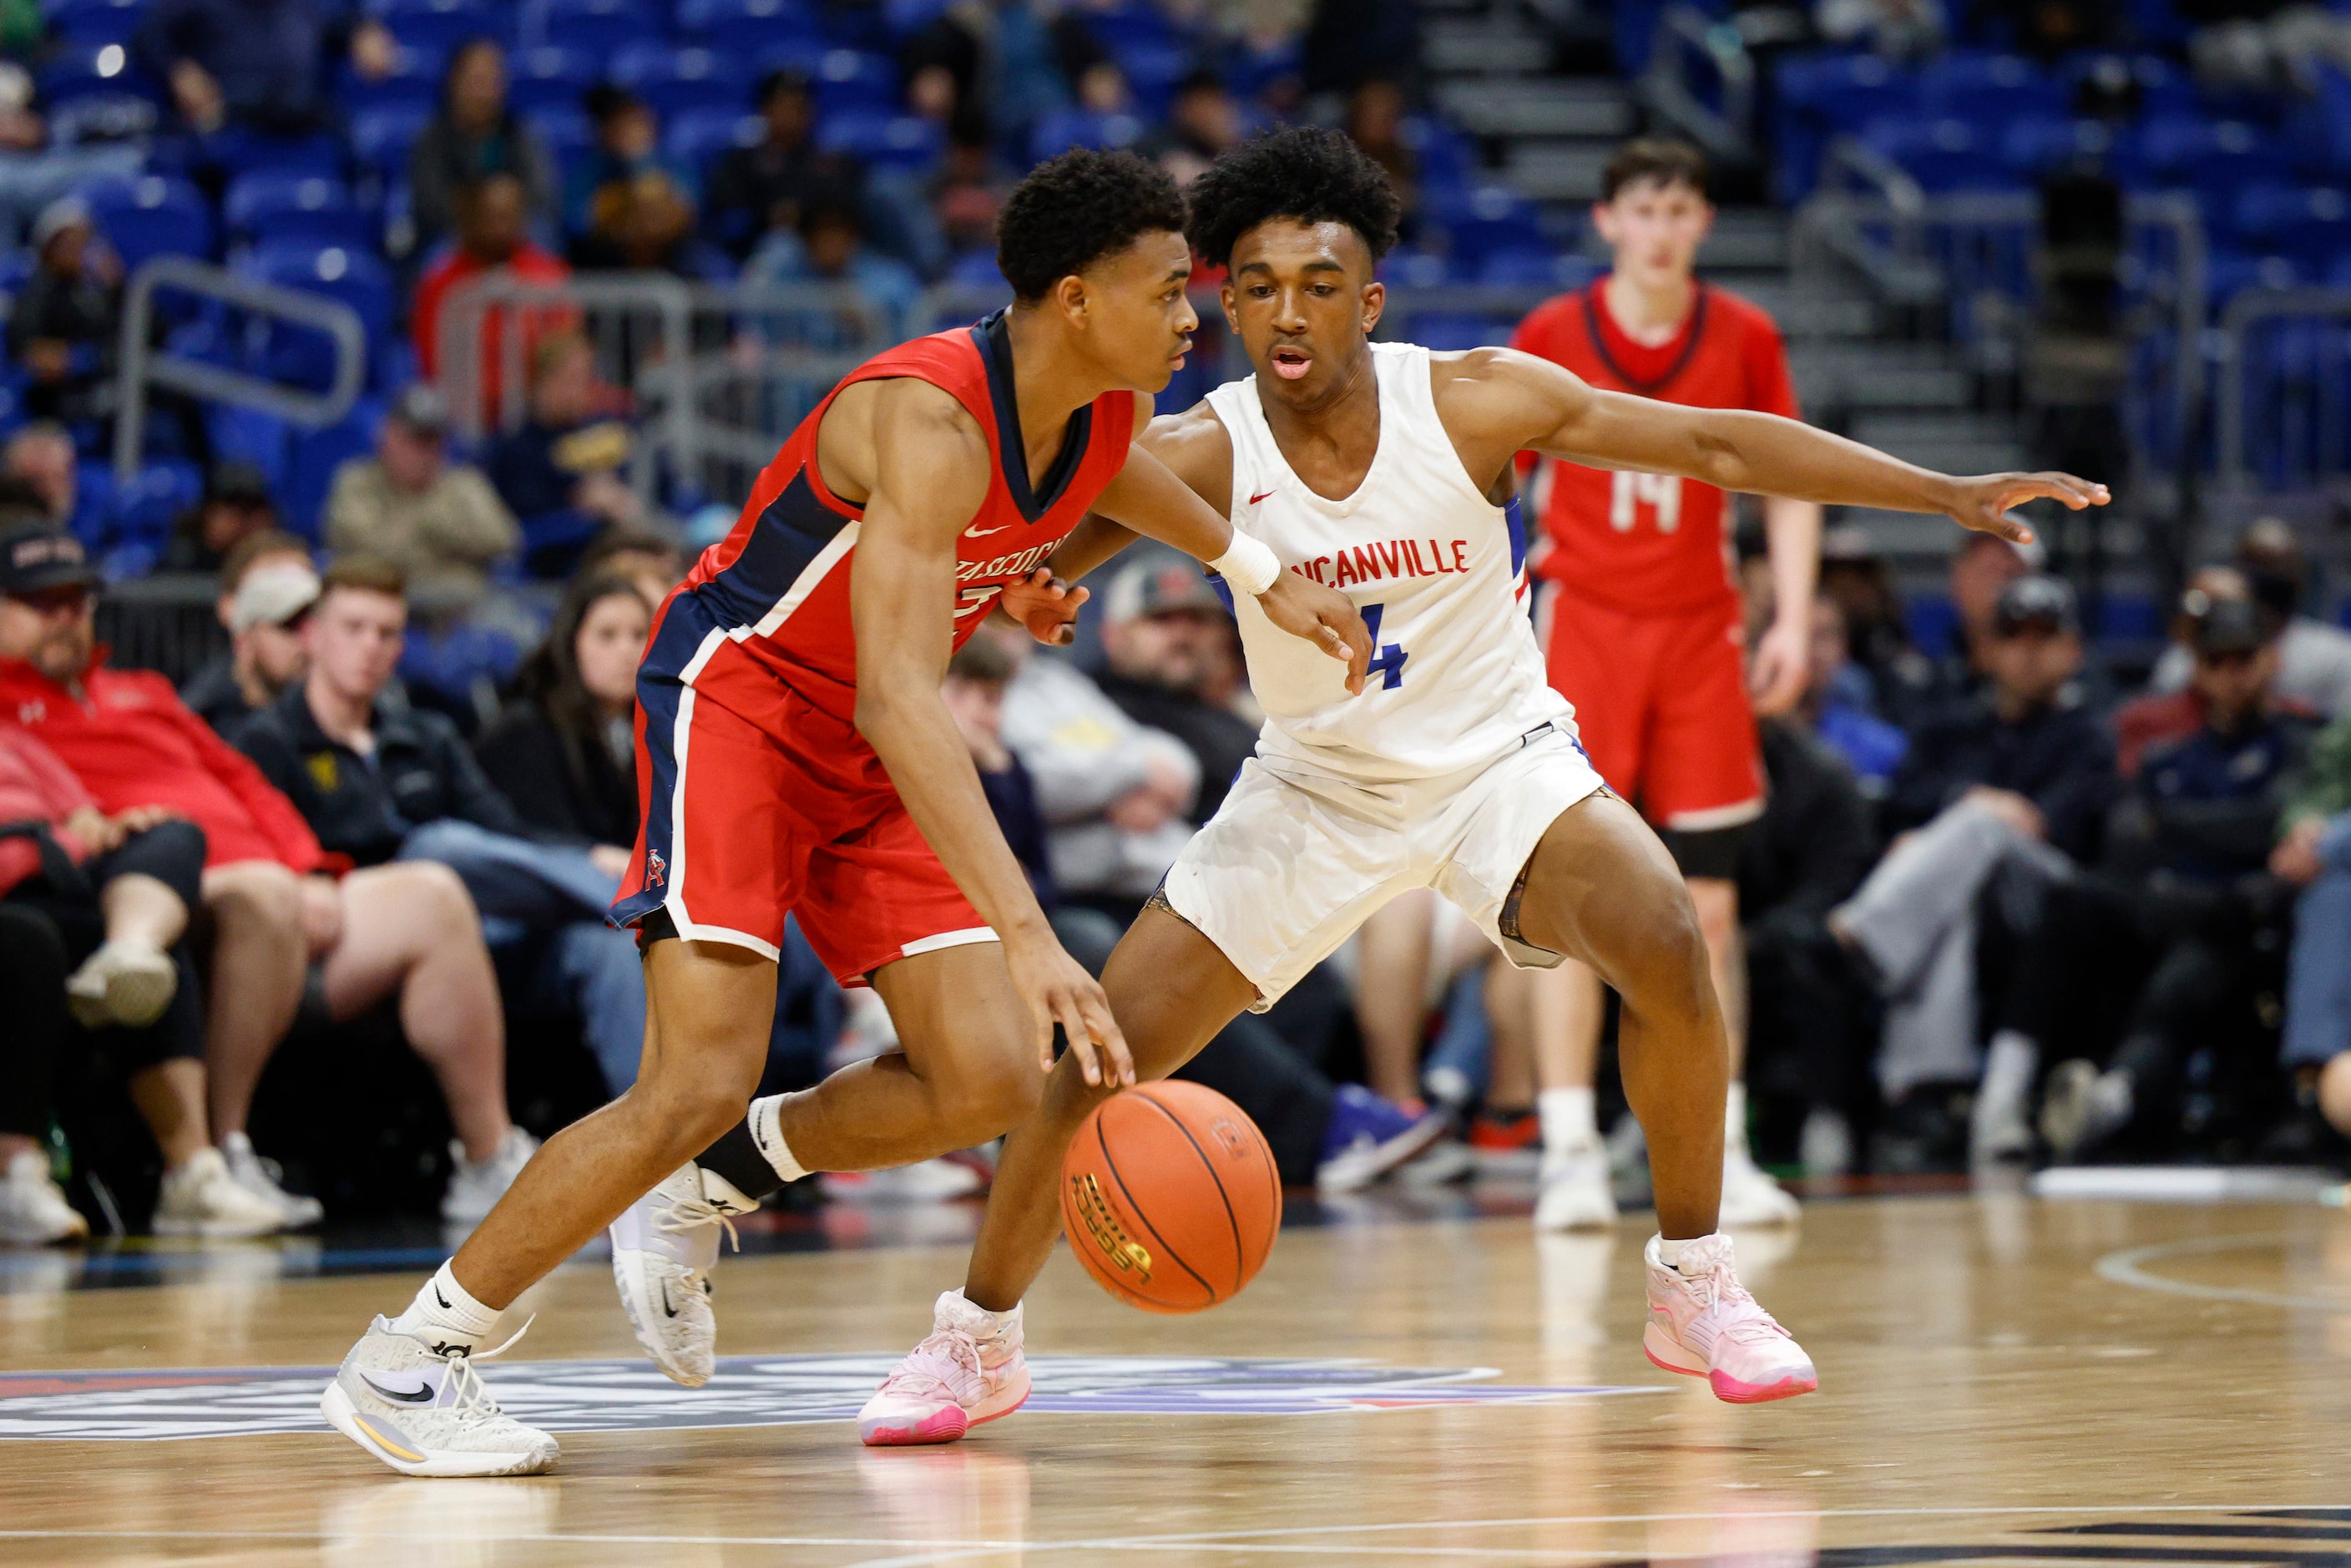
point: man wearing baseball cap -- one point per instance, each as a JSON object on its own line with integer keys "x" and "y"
{"x": 268, "y": 586}
{"x": 439, "y": 522}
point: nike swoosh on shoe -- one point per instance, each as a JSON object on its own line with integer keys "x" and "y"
{"x": 421, "y": 1395}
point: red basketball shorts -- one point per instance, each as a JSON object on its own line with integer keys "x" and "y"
{"x": 757, "y": 804}
{"x": 1661, "y": 704}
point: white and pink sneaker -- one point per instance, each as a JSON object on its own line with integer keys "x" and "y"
{"x": 970, "y": 1371}
{"x": 1703, "y": 1324}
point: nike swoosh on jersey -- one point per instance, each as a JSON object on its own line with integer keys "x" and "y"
{"x": 1261, "y": 496}
{"x": 976, "y": 532}
{"x": 420, "y": 1395}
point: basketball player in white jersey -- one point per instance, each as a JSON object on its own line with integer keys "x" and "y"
{"x": 1387, "y": 472}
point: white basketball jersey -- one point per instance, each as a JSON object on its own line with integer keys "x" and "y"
{"x": 1439, "y": 574}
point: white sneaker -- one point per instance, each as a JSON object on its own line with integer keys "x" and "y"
{"x": 475, "y": 1188}
{"x": 125, "y": 983}
{"x": 2084, "y": 1107}
{"x": 1751, "y": 1197}
{"x": 971, "y": 1370}
{"x": 33, "y": 1208}
{"x": 202, "y": 1198}
{"x": 424, "y": 1412}
{"x": 1998, "y": 1128}
{"x": 1703, "y": 1324}
{"x": 260, "y": 1177}
{"x": 663, "y": 1247}
{"x": 1576, "y": 1191}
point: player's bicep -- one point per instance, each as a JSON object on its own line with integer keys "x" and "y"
{"x": 930, "y": 476}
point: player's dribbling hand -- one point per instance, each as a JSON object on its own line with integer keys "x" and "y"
{"x": 1058, "y": 991}
{"x": 1325, "y": 617}
{"x": 1982, "y": 503}
{"x": 1046, "y": 605}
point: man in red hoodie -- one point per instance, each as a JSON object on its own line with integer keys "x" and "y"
{"x": 407, "y": 930}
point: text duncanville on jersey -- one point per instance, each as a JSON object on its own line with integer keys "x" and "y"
{"x": 1387, "y": 560}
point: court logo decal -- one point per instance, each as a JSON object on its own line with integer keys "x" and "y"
{"x": 748, "y": 1391}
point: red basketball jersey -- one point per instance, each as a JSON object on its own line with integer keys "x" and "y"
{"x": 1653, "y": 543}
{"x": 778, "y": 584}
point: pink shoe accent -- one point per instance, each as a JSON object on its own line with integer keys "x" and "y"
{"x": 944, "y": 1425}
{"x": 1731, "y": 1391}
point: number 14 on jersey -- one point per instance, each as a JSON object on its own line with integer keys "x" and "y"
{"x": 1661, "y": 493}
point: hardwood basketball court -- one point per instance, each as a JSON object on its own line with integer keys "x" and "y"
{"x": 2003, "y": 1379}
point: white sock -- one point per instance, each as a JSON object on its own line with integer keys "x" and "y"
{"x": 1567, "y": 1119}
{"x": 1734, "y": 1119}
{"x": 768, "y": 1134}
{"x": 993, "y": 1324}
{"x": 445, "y": 1312}
{"x": 1669, "y": 1253}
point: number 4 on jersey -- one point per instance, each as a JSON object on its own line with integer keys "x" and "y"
{"x": 1388, "y": 660}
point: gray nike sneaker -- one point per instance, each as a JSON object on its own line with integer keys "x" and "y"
{"x": 663, "y": 1248}
{"x": 422, "y": 1409}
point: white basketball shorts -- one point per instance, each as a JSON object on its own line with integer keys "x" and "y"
{"x": 1291, "y": 864}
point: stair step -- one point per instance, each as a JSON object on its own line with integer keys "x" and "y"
{"x": 1746, "y": 237}
{"x": 1952, "y": 442}
{"x": 1549, "y": 106}
{"x": 1451, "y": 47}
{"x": 1562, "y": 170}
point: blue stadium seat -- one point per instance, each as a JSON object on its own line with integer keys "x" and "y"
{"x": 1940, "y": 154}
{"x": 1152, "y": 71}
{"x": 903, "y": 17}
{"x": 443, "y": 25}
{"x": 151, "y": 214}
{"x": 699, "y": 137}
{"x": 147, "y": 503}
{"x": 237, "y": 151}
{"x": 1988, "y": 90}
{"x": 568, "y": 136}
{"x": 1824, "y": 96}
{"x": 2309, "y": 225}
{"x": 415, "y": 77}
{"x": 744, "y": 28}
{"x": 887, "y": 141}
{"x": 80, "y": 70}
{"x": 1128, "y": 24}
{"x": 266, "y": 206}
{"x": 1413, "y": 268}
{"x": 1067, "y": 128}
{"x": 94, "y": 21}
{"x": 2034, "y": 145}
{"x": 93, "y": 501}
{"x": 313, "y": 458}
{"x": 2216, "y": 157}
{"x": 850, "y": 80}
{"x": 249, "y": 434}
{"x": 297, "y": 355}
{"x": 975, "y": 269}
{"x": 1486, "y": 221}
{"x": 674, "y": 79}
{"x": 549, "y": 76}
{"x": 599, "y": 28}
{"x": 1537, "y": 268}
{"x": 380, "y": 137}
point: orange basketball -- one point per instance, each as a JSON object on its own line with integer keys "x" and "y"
{"x": 1169, "y": 1197}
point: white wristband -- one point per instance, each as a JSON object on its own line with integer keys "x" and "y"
{"x": 1248, "y": 566}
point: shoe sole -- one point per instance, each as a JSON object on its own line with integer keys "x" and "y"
{"x": 344, "y": 1417}
{"x": 636, "y": 1302}
{"x": 218, "y": 1231}
{"x": 1667, "y": 1357}
{"x": 128, "y": 993}
{"x": 939, "y": 1426}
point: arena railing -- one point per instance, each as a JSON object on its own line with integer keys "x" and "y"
{"x": 1687, "y": 40}
{"x": 144, "y": 365}
{"x": 2301, "y": 437}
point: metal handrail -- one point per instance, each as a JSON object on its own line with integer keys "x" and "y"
{"x": 1728, "y": 133}
{"x": 2253, "y": 306}
{"x": 144, "y": 365}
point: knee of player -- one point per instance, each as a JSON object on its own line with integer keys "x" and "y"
{"x": 1006, "y": 1093}
{"x": 696, "y": 1108}
{"x": 1667, "y": 969}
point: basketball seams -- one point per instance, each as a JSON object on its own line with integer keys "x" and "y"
{"x": 1110, "y": 1162}
{"x": 1241, "y": 1252}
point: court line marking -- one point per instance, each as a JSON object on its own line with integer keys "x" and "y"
{"x": 2123, "y": 1268}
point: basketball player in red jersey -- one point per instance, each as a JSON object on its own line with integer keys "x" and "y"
{"x": 1646, "y": 636}
{"x": 794, "y": 756}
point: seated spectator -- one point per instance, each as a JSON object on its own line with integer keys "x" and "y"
{"x": 406, "y": 932}
{"x": 968, "y": 188}
{"x": 266, "y": 588}
{"x": 628, "y": 144}
{"x": 378, "y": 780}
{"x": 2183, "y": 925}
{"x": 261, "y": 66}
{"x": 1376, "y": 110}
{"x": 645, "y": 223}
{"x": 66, "y": 320}
{"x": 763, "y": 187}
{"x": 2313, "y": 656}
{"x": 1203, "y": 122}
{"x": 492, "y": 237}
{"x": 475, "y": 132}
{"x": 560, "y": 471}
{"x": 2313, "y": 852}
{"x": 1838, "y": 706}
{"x": 1878, "y": 633}
{"x": 2003, "y": 793}
{"x": 648, "y": 561}
{"x": 1163, "y": 635}
{"x": 1981, "y": 568}
{"x": 40, "y": 458}
{"x": 830, "y": 248}
{"x": 439, "y": 522}
{"x": 236, "y": 506}
{"x": 974, "y": 692}
{"x": 114, "y": 893}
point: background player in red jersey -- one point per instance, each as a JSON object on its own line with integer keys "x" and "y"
{"x": 794, "y": 755}
{"x": 1646, "y": 637}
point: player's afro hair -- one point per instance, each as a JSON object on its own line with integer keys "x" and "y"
{"x": 1314, "y": 176}
{"x": 1073, "y": 209}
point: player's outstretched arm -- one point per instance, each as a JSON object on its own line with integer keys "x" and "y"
{"x": 1548, "y": 409}
{"x": 931, "y": 472}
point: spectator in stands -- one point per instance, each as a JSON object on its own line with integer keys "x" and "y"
{"x": 2313, "y": 656}
{"x": 830, "y": 248}
{"x": 1982, "y": 569}
{"x": 562, "y": 750}
{"x": 404, "y": 932}
{"x": 2003, "y": 793}
{"x": 2184, "y": 925}
{"x": 561, "y": 472}
{"x": 236, "y": 506}
{"x": 475, "y": 132}
{"x": 1838, "y": 704}
{"x": 648, "y": 561}
{"x": 2161, "y": 718}
{"x": 64, "y": 324}
{"x": 2313, "y": 854}
{"x": 1877, "y": 634}
{"x": 266, "y": 588}
{"x": 628, "y": 144}
{"x": 1203, "y": 122}
{"x": 762, "y": 187}
{"x": 645, "y": 223}
{"x": 492, "y": 237}
{"x": 40, "y": 457}
{"x": 1015, "y": 60}
{"x": 261, "y": 64}
{"x": 438, "y": 521}
{"x": 1164, "y": 633}
{"x": 379, "y": 781}
{"x": 969, "y": 189}
{"x": 1375, "y": 116}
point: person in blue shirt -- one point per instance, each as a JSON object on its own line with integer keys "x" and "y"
{"x": 1840, "y": 704}
{"x": 828, "y": 247}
